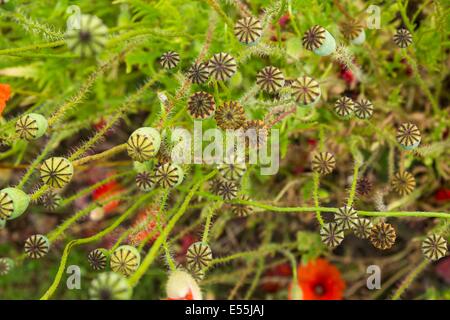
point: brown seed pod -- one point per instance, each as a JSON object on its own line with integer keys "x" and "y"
{"x": 363, "y": 109}
{"x": 222, "y": 66}
{"x": 248, "y": 30}
{"x": 434, "y": 247}
{"x": 346, "y": 218}
{"x": 382, "y": 236}
{"x": 306, "y": 90}
{"x": 51, "y": 200}
{"x": 145, "y": 180}
{"x": 198, "y": 73}
{"x": 403, "y": 183}
{"x": 344, "y": 107}
{"x": 323, "y": 163}
{"x": 331, "y": 234}
{"x": 97, "y": 259}
{"x": 403, "y": 38}
{"x": 351, "y": 29}
{"x": 363, "y": 186}
{"x": 270, "y": 79}
{"x": 230, "y": 115}
{"x": 408, "y": 135}
{"x": 201, "y": 105}
{"x": 214, "y": 185}
{"x": 169, "y": 60}
{"x": 314, "y": 38}
{"x": 37, "y": 246}
{"x": 362, "y": 228}
{"x": 228, "y": 190}
{"x": 242, "y": 210}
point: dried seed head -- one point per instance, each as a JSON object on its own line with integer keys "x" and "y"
{"x": 230, "y": 115}
{"x": 363, "y": 109}
{"x": 242, "y": 210}
{"x": 408, "y": 135}
{"x": 199, "y": 256}
{"x": 331, "y": 234}
{"x": 37, "y": 246}
{"x": 363, "y": 186}
{"x": 56, "y": 172}
{"x": 125, "y": 260}
{"x": 270, "y": 79}
{"x": 306, "y": 91}
{"x": 362, "y": 228}
{"x": 434, "y": 247}
{"x": 51, "y": 200}
{"x": 143, "y": 144}
{"x": 97, "y": 259}
{"x": 228, "y": 190}
{"x": 6, "y": 264}
{"x": 351, "y": 29}
{"x": 145, "y": 180}
{"x": 168, "y": 175}
{"x": 248, "y": 30}
{"x": 214, "y": 185}
{"x": 222, "y": 66}
{"x": 233, "y": 169}
{"x": 323, "y": 163}
{"x": 382, "y": 236}
{"x": 169, "y": 60}
{"x": 346, "y": 218}
{"x": 198, "y": 73}
{"x": 89, "y": 39}
{"x": 201, "y": 105}
{"x": 403, "y": 183}
{"x": 344, "y": 107}
{"x": 110, "y": 286}
{"x": 314, "y": 38}
{"x": 31, "y": 126}
{"x": 403, "y": 38}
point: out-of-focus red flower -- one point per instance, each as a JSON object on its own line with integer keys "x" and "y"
{"x": 408, "y": 70}
{"x": 312, "y": 142}
{"x": 347, "y": 75}
{"x": 443, "y": 269}
{"x": 185, "y": 243}
{"x": 442, "y": 194}
{"x": 106, "y": 191}
{"x": 100, "y": 124}
{"x": 283, "y": 21}
{"x": 320, "y": 280}
{"x": 145, "y": 225}
{"x": 276, "y": 278}
{"x": 5, "y": 94}
{"x": 188, "y": 296}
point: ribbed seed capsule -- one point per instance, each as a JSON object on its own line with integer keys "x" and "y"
{"x": 344, "y": 107}
{"x": 306, "y": 91}
{"x": 198, "y": 256}
{"x": 242, "y": 210}
{"x": 89, "y": 39}
{"x": 6, "y": 264}
{"x": 51, "y": 200}
{"x": 403, "y": 183}
{"x": 403, "y": 38}
{"x": 97, "y": 259}
{"x": 110, "y": 286}
{"x": 408, "y": 135}
{"x": 201, "y": 105}
{"x": 382, "y": 236}
{"x": 31, "y": 126}
{"x": 346, "y": 217}
{"x": 125, "y": 260}
{"x": 363, "y": 109}
{"x": 214, "y": 185}
{"x": 13, "y": 203}
{"x": 248, "y": 30}
{"x": 323, "y": 163}
{"x": 143, "y": 144}
{"x": 331, "y": 234}
{"x": 145, "y": 180}
{"x": 228, "y": 190}
{"x": 233, "y": 169}
{"x": 222, "y": 66}
{"x": 230, "y": 115}
{"x": 319, "y": 40}
{"x": 362, "y": 228}
{"x": 169, "y": 60}
{"x": 434, "y": 247}
{"x": 37, "y": 246}
{"x": 353, "y": 30}
{"x": 168, "y": 175}
{"x": 363, "y": 186}
{"x": 197, "y": 274}
{"x": 270, "y": 79}
{"x": 56, "y": 172}
{"x": 198, "y": 73}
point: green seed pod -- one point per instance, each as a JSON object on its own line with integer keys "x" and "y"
{"x": 169, "y": 60}
{"x": 403, "y": 38}
{"x": 201, "y": 105}
{"x": 222, "y": 66}
{"x": 331, "y": 234}
{"x": 248, "y": 30}
{"x": 408, "y": 136}
{"x": 198, "y": 256}
{"x": 344, "y": 107}
{"x": 56, "y": 172}
{"x": 6, "y": 265}
{"x": 233, "y": 169}
{"x": 97, "y": 258}
{"x": 363, "y": 109}
{"x": 169, "y": 175}
{"x": 270, "y": 79}
{"x": 110, "y": 286}
{"x": 37, "y": 246}
{"x": 2, "y": 224}
{"x": 362, "y": 228}
{"x": 31, "y": 126}
{"x": 306, "y": 91}
{"x": 13, "y": 203}
{"x": 319, "y": 40}
{"x": 89, "y": 39}
{"x": 323, "y": 163}
{"x": 434, "y": 247}
{"x": 346, "y": 218}
{"x": 125, "y": 260}
{"x": 143, "y": 144}
{"x": 353, "y": 30}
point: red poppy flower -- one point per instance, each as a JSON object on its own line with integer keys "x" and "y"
{"x": 188, "y": 296}
{"x": 347, "y": 75}
{"x": 283, "y": 21}
{"x": 106, "y": 191}
{"x": 320, "y": 280}
{"x": 145, "y": 225}
{"x": 442, "y": 194}
{"x": 5, "y": 94}
{"x": 275, "y": 278}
